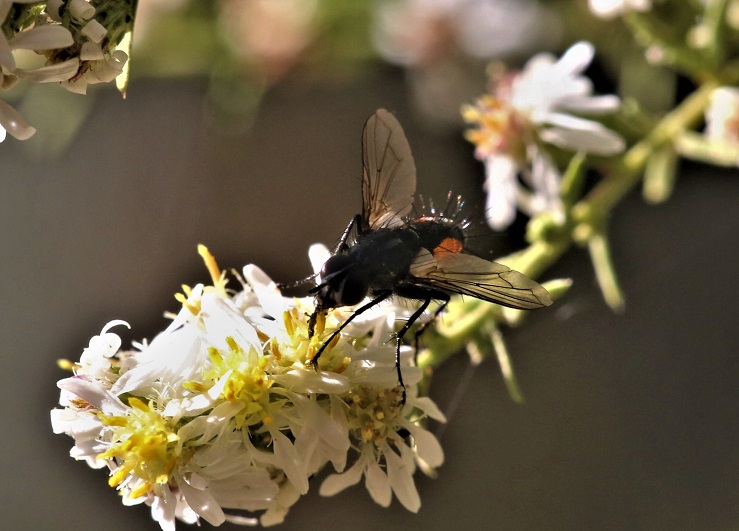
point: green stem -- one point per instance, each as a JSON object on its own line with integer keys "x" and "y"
{"x": 612, "y": 189}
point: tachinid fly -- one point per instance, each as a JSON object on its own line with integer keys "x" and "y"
{"x": 384, "y": 251}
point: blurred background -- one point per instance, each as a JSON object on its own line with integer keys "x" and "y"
{"x": 241, "y": 130}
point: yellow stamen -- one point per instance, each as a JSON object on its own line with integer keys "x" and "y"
{"x": 141, "y": 490}
{"x": 183, "y": 300}
{"x": 210, "y": 263}
{"x": 65, "y": 365}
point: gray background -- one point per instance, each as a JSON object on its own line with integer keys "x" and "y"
{"x": 630, "y": 421}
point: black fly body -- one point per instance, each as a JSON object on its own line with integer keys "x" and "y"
{"x": 386, "y": 251}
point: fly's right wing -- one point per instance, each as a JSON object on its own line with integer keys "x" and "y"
{"x": 388, "y": 173}
{"x": 470, "y": 275}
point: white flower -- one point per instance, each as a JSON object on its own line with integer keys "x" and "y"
{"x": 418, "y": 32}
{"x": 37, "y": 38}
{"x": 615, "y": 8}
{"x": 722, "y": 116}
{"x": 223, "y": 411}
{"x": 524, "y": 112}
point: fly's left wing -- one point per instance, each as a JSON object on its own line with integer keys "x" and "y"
{"x": 470, "y": 275}
{"x": 388, "y": 172}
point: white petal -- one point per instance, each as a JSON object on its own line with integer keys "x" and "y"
{"x": 576, "y": 58}
{"x": 606, "y": 8}
{"x": 335, "y": 483}
{"x": 598, "y": 139}
{"x": 427, "y": 446}
{"x": 46, "y": 37}
{"x": 222, "y": 320}
{"x": 172, "y": 357}
{"x": 202, "y": 503}
{"x": 91, "y": 52}
{"x": 51, "y": 73}
{"x": 500, "y": 185}
{"x": 310, "y": 381}
{"x": 81, "y": 10}
{"x": 100, "y": 398}
{"x": 13, "y": 122}
{"x": 284, "y": 500}
{"x": 401, "y": 480}
{"x": 266, "y": 290}
{"x": 163, "y": 509}
{"x": 429, "y": 408}
{"x": 316, "y": 419}
{"x": 288, "y": 459}
{"x": 318, "y": 254}
{"x": 378, "y": 484}
{"x": 6, "y": 54}
{"x": 590, "y": 104}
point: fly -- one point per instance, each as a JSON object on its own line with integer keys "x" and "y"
{"x": 386, "y": 252}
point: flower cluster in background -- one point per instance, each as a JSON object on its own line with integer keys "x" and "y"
{"x": 70, "y": 42}
{"x": 526, "y": 111}
{"x": 220, "y": 412}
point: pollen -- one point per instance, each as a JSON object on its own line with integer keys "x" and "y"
{"x": 65, "y": 365}
{"x": 182, "y": 299}
{"x": 143, "y": 444}
{"x": 217, "y": 277}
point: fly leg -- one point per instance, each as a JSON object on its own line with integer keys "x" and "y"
{"x": 377, "y": 300}
{"x": 422, "y": 328}
{"x": 412, "y": 319}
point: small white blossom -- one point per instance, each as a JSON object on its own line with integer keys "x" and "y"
{"x": 615, "y": 8}
{"x": 419, "y": 32}
{"x": 527, "y": 110}
{"x": 722, "y": 116}
{"x": 222, "y": 411}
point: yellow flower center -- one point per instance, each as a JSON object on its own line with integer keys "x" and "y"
{"x": 248, "y": 381}
{"x": 499, "y": 128}
{"x": 143, "y": 444}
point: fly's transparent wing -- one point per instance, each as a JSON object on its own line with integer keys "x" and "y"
{"x": 489, "y": 281}
{"x": 388, "y": 172}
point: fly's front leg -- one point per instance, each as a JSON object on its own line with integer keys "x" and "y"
{"x": 342, "y": 245}
{"x": 357, "y": 312}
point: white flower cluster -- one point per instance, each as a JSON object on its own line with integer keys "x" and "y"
{"x": 615, "y": 8}
{"x": 59, "y": 42}
{"x": 222, "y": 411}
{"x": 523, "y": 113}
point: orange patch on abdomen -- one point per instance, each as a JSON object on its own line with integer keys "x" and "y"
{"x": 449, "y": 245}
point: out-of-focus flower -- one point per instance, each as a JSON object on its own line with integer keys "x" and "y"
{"x": 37, "y": 38}
{"x": 95, "y": 50}
{"x": 272, "y": 34}
{"x": 421, "y": 32}
{"x": 524, "y": 112}
{"x": 41, "y": 45}
{"x": 441, "y": 43}
{"x": 615, "y": 8}
{"x": 221, "y": 411}
{"x": 722, "y": 116}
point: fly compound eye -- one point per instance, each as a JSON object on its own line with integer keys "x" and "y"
{"x": 335, "y": 266}
{"x": 344, "y": 284}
